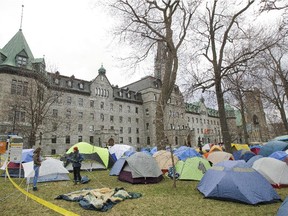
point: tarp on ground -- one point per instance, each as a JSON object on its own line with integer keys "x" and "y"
{"x": 275, "y": 171}
{"x": 164, "y": 159}
{"x": 50, "y": 170}
{"x": 273, "y": 146}
{"x": 231, "y": 184}
{"x": 140, "y": 168}
{"x": 94, "y": 157}
{"x": 118, "y": 150}
{"x": 192, "y": 168}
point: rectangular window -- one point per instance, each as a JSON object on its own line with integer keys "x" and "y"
{"x": 91, "y": 139}
{"x": 91, "y": 103}
{"x": 120, "y": 108}
{"x": 54, "y": 126}
{"x": 80, "y": 138}
{"x": 120, "y": 119}
{"x": 111, "y": 119}
{"x": 68, "y": 113}
{"x": 25, "y": 88}
{"x": 137, "y": 130}
{"x": 53, "y": 151}
{"x": 91, "y": 127}
{"x": 111, "y": 107}
{"x": 19, "y": 88}
{"x": 55, "y": 113}
{"x": 121, "y": 130}
{"x": 69, "y": 100}
{"x": 80, "y": 127}
{"x": 137, "y": 120}
{"x": 67, "y": 140}
{"x": 80, "y": 102}
{"x": 92, "y": 116}
{"x": 121, "y": 139}
{"x": 53, "y": 139}
{"x": 129, "y": 119}
{"x": 68, "y": 127}
{"x": 147, "y": 126}
{"x": 128, "y": 109}
{"x": 130, "y": 140}
{"x": 13, "y": 86}
{"x": 136, "y": 109}
{"x": 138, "y": 140}
{"x": 80, "y": 115}
{"x": 129, "y": 129}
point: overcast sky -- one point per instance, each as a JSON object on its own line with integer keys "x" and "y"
{"x": 74, "y": 35}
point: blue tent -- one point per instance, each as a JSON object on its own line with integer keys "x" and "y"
{"x": 243, "y": 154}
{"x": 280, "y": 155}
{"x": 250, "y": 162}
{"x": 273, "y": 146}
{"x": 185, "y": 152}
{"x": 231, "y": 164}
{"x": 117, "y": 166}
{"x": 282, "y": 138}
{"x": 232, "y": 184}
{"x": 283, "y": 209}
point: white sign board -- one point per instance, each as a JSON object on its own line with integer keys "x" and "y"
{"x": 16, "y": 152}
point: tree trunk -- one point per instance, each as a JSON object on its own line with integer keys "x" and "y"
{"x": 222, "y": 116}
{"x": 160, "y": 135}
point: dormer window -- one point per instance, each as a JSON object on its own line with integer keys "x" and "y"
{"x": 120, "y": 94}
{"x": 21, "y": 61}
{"x": 81, "y": 86}
{"x": 57, "y": 81}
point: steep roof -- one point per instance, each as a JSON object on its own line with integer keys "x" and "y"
{"x": 17, "y": 45}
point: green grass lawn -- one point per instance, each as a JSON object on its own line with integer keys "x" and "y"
{"x": 157, "y": 199}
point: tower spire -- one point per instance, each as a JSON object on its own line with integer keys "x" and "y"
{"x": 21, "y": 18}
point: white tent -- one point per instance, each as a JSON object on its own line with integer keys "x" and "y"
{"x": 51, "y": 170}
{"x": 274, "y": 170}
{"x": 119, "y": 149}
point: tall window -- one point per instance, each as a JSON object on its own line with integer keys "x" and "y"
{"x": 92, "y": 116}
{"x": 55, "y": 113}
{"x": 91, "y": 139}
{"x": 53, "y": 139}
{"x": 67, "y": 139}
{"x": 80, "y": 102}
{"x": 102, "y": 105}
{"x": 69, "y": 100}
{"x": 80, "y": 138}
{"x": 102, "y": 117}
{"x": 91, "y": 103}
{"x": 120, "y": 108}
{"x": 128, "y": 109}
{"x": 68, "y": 113}
{"x": 120, "y": 119}
{"x": 80, "y": 114}
{"x": 80, "y": 127}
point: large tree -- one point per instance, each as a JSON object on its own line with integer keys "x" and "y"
{"x": 229, "y": 41}
{"x": 149, "y": 23}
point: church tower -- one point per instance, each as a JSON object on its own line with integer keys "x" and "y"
{"x": 160, "y": 59}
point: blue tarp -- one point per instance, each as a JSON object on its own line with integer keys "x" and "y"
{"x": 243, "y": 154}
{"x": 115, "y": 170}
{"x": 233, "y": 185}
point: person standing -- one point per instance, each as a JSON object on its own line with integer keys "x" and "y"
{"x": 37, "y": 163}
{"x": 76, "y": 159}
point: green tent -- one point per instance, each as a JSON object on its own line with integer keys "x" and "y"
{"x": 192, "y": 168}
{"x": 91, "y": 152}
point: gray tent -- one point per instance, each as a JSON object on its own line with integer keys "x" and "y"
{"x": 140, "y": 168}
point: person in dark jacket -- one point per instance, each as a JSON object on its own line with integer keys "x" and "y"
{"x": 37, "y": 163}
{"x": 76, "y": 159}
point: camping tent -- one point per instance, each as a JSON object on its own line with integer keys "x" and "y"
{"x": 184, "y": 152}
{"x": 274, "y": 170}
{"x": 117, "y": 166}
{"x": 282, "y": 138}
{"x": 231, "y": 184}
{"x": 51, "y": 170}
{"x": 94, "y": 157}
{"x": 283, "y": 209}
{"x": 192, "y": 168}
{"x": 251, "y": 161}
{"x": 243, "y": 154}
{"x": 164, "y": 159}
{"x": 280, "y": 155}
{"x": 231, "y": 164}
{"x": 273, "y": 146}
{"x": 140, "y": 168}
{"x": 218, "y": 156}
{"x": 237, "y": 147}
{"x": 118, "y": 150}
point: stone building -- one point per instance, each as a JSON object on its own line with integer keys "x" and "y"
{"x": 97, "y": 112}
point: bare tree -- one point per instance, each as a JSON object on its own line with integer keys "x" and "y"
{"x": 227, "y": 36}
{"x": 148, "y": 23}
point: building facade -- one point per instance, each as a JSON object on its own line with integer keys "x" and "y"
{"x": 61, "y": 111}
